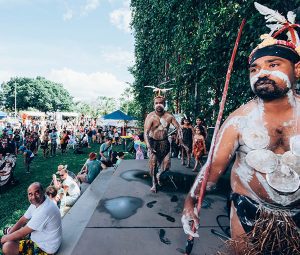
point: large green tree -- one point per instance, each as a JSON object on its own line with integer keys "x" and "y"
{"x": 189, "y": 43}
{"x": 101, "y": 106}
{"x": 37, "y": 93}
{"x": 128, "y": 104}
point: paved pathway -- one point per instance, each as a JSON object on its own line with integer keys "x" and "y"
{"x": 129, "y": 219}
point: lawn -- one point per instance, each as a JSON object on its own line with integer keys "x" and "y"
{"x": 14, "y": 197}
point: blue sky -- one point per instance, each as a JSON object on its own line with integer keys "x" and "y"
{"x": 86, "y": 45}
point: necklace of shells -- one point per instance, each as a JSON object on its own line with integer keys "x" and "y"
{"x": 282, "y": 170}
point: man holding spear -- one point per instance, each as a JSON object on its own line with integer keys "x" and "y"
{"x": 264, "y": 135}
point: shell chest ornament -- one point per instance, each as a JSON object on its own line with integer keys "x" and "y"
{"x": 282, "y": 170}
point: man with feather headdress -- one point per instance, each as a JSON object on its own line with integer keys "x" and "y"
{"x": 156, "y": 128}
{"x": 264, "y": 135}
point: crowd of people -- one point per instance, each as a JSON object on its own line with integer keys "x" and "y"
{"x": 42, "y": 220}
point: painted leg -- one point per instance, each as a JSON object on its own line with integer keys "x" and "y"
{"x": 165, "y": 165}
{"x": 152, "y": 167}
{"x": 153, "y": 188}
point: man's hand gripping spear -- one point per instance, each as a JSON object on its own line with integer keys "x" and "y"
{"x": 190, "y": 213}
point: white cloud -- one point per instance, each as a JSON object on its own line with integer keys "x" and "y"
{"x": 5, "y": 75}
{"x": 68, "y": 15}
{"x": 121, "y": 17}
{"x": 89, "y": 6}
{"x": 87, "y": 87}
{"x": 119, "y": 57}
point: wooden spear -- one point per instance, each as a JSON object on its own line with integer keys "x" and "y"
{"x": 190, "y": 241}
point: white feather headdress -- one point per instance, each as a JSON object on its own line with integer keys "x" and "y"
{"x": 278, "y": 25}
{"x": 158, "y": 91}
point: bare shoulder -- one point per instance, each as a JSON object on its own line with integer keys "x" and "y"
{"x": 243, "y": 110}
{"x": 150, "y": 115}
{"x": 236, "y": 118}
{"x": 168, "y": 114}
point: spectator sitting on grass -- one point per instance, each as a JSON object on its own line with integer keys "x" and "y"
{"x": 120, "y": 158}
{"x": 91, "y": 169}
{"x": 41, "y": 220}
{"x": 51, "y": 192}
{"x": 106, "y": 152}
{"x": 69, "y": 191}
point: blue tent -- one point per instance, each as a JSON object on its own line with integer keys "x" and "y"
{"x": 3, "y": 115}
{"x": 117, "y": 115}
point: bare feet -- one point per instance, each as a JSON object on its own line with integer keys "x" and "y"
{"x": 158, "y": 179}
{"x": 153, "y": 189}
{"x": 195, "y": 170}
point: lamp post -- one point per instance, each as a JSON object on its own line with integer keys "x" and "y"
{"x": 15, "y": 99}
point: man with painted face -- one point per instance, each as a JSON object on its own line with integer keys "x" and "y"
{"x": 156, "y": 129}
{"x": 264, "y": 135}
{"x": 41, "y": 220}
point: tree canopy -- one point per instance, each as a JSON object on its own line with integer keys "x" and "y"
{"x": 101, "y": 106}
{"x": 189, "y": 44}
{"x": 37, "y": 93}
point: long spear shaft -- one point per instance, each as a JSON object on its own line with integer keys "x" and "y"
{"x": 190, "y": 241}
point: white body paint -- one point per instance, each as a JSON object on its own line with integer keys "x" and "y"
{"x": 245, "y": 172}
{"x": 276, "y": 73}
{"x": 254, "y": 136}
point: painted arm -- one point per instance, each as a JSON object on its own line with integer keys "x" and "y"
{"x": 147, "y": 128}
{"x": 226, "y": 145}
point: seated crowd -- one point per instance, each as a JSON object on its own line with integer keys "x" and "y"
{"x": 39, "y": 230}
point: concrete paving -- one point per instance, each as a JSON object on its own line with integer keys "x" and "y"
{"x": 129, "y": 219}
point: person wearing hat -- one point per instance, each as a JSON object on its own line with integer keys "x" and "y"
{"x": 91, "y": 169}
{"x": 28, "y": 157}
{"x": 264, "y": 137}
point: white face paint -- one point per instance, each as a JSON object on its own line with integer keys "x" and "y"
{"x": 276, "y": 73}
{"x": 161, "y": 106}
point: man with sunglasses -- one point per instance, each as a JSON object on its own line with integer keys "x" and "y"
{"x": 69, "y": 190}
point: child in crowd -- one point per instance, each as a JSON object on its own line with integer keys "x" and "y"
{"x": 199, "y": 148}
{"x": 120, "y": 158}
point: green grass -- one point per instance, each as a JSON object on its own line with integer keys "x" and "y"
{"x": 14, "y": 200}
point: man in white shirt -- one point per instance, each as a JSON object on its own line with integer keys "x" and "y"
{"x": 42, "y": 220}
{"x": 70, "y": 188}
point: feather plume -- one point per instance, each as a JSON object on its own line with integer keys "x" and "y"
{"x": 159, "y": 91}
{"x": 274, "y": 27}
{"x": 271, "y": 15}
{"x": 291, "y": 17}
